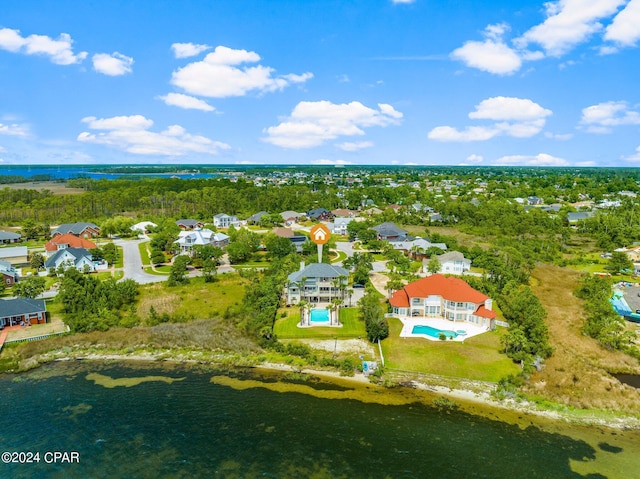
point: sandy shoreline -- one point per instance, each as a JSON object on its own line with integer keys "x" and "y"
{"x": 468, "y": 398}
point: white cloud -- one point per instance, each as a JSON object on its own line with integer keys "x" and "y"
{"x": 217, "y": 76}
{"x": 509, "y": 108}
{"x": 568, "y": 23}
{"x": 602, "y": 117}
{"x": 541, "y": 159}
{"x": 475, "y": 158}
{"x": 354, "y": 145}
{"x": 330, "y": 162}
{"x": 186, "y": 50}
{"x": 313, "y": 123}
{"x": 14, "y": 130}
{"x": 492, "y": 55}
{"x": 398, "y": 2}
{"x": 521, "y": 118}
{"x": 558, "y": 136}
{"x": 59, "y": 50}
{"x": 185, "y": 101}
{"x": 625, "y": 28}
{"x": 344, "y": 78}
{"x": 131, "y": 134}
{"x": 635, "y": 158}
{"x": 115, "y": 64}
{"x": 471, "y": 133}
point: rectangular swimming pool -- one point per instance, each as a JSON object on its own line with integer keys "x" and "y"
{"x": 319, "y": 315}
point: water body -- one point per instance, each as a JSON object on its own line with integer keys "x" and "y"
{"x": 102, "y": 172}
{"x": 156, "y": 421}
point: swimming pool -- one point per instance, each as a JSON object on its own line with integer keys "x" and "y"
{"x": 319, "y": 315}
{"x": 433, "y": 332}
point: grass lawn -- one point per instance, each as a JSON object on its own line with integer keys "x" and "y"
{"x": 144, "y": 254}
{"x": 339, "y": 256}
{"x": 120, "y": 260}
{"x": 477, "y": 358}
{"x": 287, "y": 328}
{"x": 197, "y": 300}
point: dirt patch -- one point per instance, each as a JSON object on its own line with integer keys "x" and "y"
{"x": 578, "y": 372}
{"x": 379, "y": 281}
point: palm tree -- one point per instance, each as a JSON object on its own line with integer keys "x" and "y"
{"x": 337, "y": 302}
{"x": 303, "y": 306}
{"x": 349, "y": 294}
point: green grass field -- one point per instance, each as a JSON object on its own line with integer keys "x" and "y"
{"x": 144, "y": 254}
{"x": 287, "y": 328}
{"x": 477, "y": 358}
{"x": 197, "y": 300}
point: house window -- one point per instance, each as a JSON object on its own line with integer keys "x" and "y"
{"x": 459, "y": 305}
{"x": 458, "y": 316}
{"x": 415, "y": 301}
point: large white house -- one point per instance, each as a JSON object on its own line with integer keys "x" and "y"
{"x": 317, "y": 283}
{"x": 78, "y": 258}
{"x": 200, "y": 237}
{"x": 439, "y": 296}
{"x": 222, "y": 220}
{"x": 452, "y": 262}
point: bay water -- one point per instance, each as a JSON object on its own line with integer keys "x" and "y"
{"x": 158, "y": 420}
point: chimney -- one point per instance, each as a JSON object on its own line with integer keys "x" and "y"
{"x": 301, "y": 265}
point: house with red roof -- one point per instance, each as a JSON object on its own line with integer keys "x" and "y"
{"x": 444, "y": 297}
{"x": 67, "y": 240}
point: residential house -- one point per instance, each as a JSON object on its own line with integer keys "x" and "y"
{"x": 16, "y": 255}
{"x": 440, "y": 296}
{"x": 143, "y": 227}
{"x": 67, "y": 240}
{"x": 317, "y": 283}
{"x": 8, "y": 237}
{"x": 535, "y": 200}
{"x": 222, "y": 220}
{"x": 339, "y": 226}
{"x": 320, "y": 214}
{"x": 255, "y": 219}
{"x": 343, "y": 213}
{"x": 189, "y": 224}
{"x": 289, "y": 217}
{"x": 283, "y": 232}
{"x": 78, "y": 258}
{"x": 574, "y": 218}
{"x": 452, "y": 262}
{"x": 8, "y": 274}
{"x": 200, "y": 237}
{"x": 418, "y": 247}
{"x": 81, "y": 229}
{"x": 22, "y": 311}
{"x": 390, "y": 232}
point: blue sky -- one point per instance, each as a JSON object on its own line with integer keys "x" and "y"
{"x": 393, "y": 82}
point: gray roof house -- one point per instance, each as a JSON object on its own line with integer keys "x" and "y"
{"x": 8, "y": 274}
{"x": 390, "y": 232}
{"x": 22, "y": 311}
{"x": 452, "y": 262}
{"x": 7, "y": 237}
{"x": 574, "y": 217}
{"x": 83, "y": 229}
{"x": 317, "y": 283}
{"x": 16, "y": 255}
{"x": 73, "y": 258}
{"x": 189, "y": 224}
{"x": 257, "y": 217}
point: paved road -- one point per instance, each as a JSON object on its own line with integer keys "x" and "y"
{"x": 133, "y": 262}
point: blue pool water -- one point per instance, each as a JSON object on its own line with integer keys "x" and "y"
{"x": 319, "y": 315}
{"x": 433, "y": 332}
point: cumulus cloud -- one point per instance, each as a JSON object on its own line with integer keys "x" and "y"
{"x": 114, "y": 64}
{"x": 475, "y": 158}
{"x": 491, "y": 55}
{"x": 314, "y": 123}
{"x": 185, "y": 101}
{"x": 515, "y": 117}
{"x": 625, "y": 28}
{"x": 14, "y": 129}
{"x": 58, "y": 50}
{"x": 397, "y": 2}
{"x": 222, "y": 74}
{"x": 541, "y": 159}
{"x": 558, "y": 136}
{"x": 186, "y": 50}
{"x": 132, "y": 134}
{"x": 601, "y": 118}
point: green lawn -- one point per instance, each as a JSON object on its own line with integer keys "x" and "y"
{"x": 287, "y": 328}
{"x": 198, "y": 300}
{"x": 144, "y": 254}
{"x": 477, "y": 358}
{"x": 339, "y": 256}
{"x": 120, "y": 260}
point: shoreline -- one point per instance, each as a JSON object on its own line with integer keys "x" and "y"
{"x": 473, "y": 402}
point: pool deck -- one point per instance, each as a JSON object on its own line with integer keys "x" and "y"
{"x": 442, "y": 324}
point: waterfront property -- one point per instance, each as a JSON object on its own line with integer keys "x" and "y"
{"x": 438, "y": 329}
{"x": 317, "y": 283}
{"x": 22, "y": 311}
{"x": 444, "y": 297}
